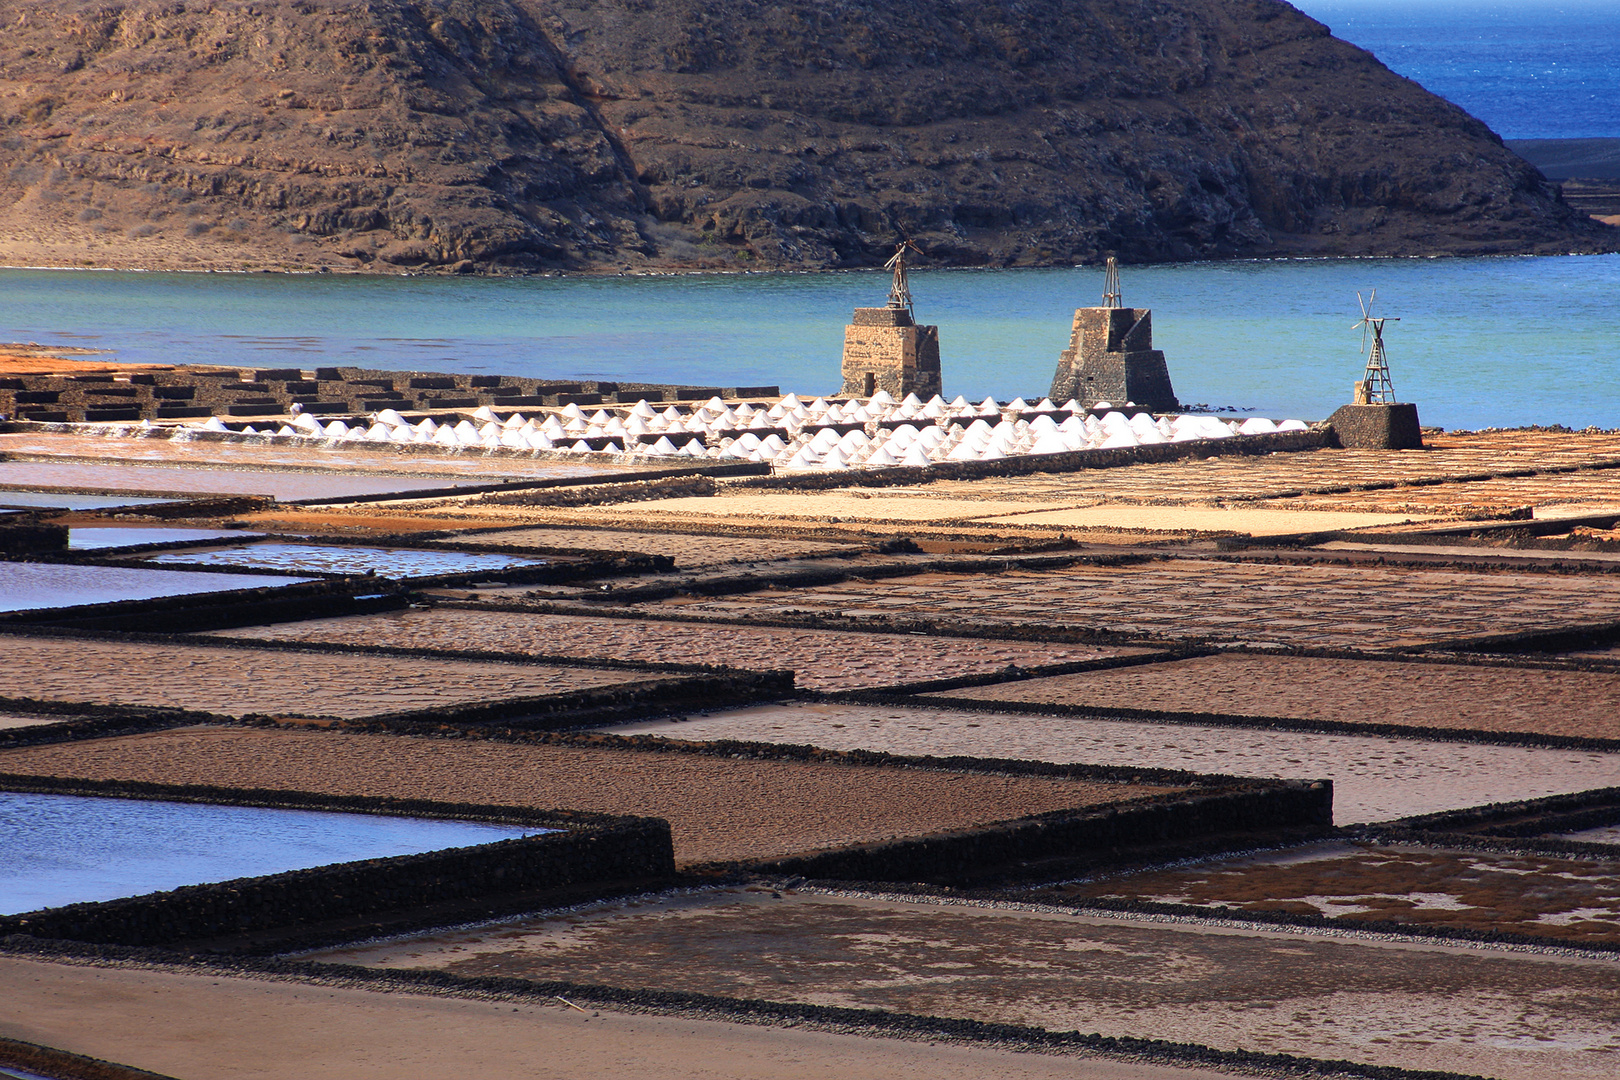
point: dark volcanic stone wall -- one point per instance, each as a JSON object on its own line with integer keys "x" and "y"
{"x": 488, "y": 134}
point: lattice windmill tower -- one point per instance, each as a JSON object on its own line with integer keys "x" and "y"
{"x": 1374, "y": 387}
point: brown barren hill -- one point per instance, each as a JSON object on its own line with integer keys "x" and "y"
{"x": 605, "y": 134}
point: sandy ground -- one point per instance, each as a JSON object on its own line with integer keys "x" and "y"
{"x": 1576, "y": 703}
{"x": 236, "y": 682}
{"x": 1321, "y": 606}
{"x": 718, "y": 808}
{"x": 1374, "y": 779}
{"x": 1195, "y": 519}
{"x": 820, "y": 659}
{"x": 199, "y": 1026}
{"x": 1072, "y": 513}
{"x": 1412, "y": 1005}
{"x": 1571, "y": 899}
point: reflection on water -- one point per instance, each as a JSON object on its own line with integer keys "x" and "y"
{"x": 33, "y": 586}
{"x": 332, "y": 559}
{"x": 66, "y": 849}
{"x": 97, "y": 538}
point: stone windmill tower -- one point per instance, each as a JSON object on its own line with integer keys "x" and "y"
{"x": 1111, "y": 356}
{"x": 885, "y": 349}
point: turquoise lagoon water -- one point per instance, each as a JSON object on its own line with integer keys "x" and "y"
{"x": 69, "y": 849}
{"x": 1482, "y": 342}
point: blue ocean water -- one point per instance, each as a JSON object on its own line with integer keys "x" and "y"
{"x": 1474, "y": 346}
{"x": 1531, "y": 69}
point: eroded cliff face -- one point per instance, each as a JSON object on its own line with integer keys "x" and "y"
{"x": 606, "y": 134}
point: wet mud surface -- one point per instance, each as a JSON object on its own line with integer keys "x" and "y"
{"x": 718, "y": 808}
{"x": 1572, "y": 703}
{"x": 1560, "y": 898}
{"x": 1406, "y": 1004}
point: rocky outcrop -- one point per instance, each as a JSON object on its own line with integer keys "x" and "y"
{"x": 531, "y": 134}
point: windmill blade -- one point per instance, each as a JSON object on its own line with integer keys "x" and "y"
{"x": 1364, "y": 309}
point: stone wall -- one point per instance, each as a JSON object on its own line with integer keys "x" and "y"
{"x": 1057, "y": 845}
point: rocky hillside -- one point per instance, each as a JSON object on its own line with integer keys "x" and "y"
{"x": 609, "y": 134}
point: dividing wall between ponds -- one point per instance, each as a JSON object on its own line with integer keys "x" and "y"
{"x": 1072, "y": 842}
{"x": 588, "y": 856}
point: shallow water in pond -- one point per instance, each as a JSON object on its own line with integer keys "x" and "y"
{"x": 334, "y": 559}
{"x": 285, "y": 485}
{"x": 33, "y": 586}
{"x": 66, "y": 849}
{"x": 96, "y": 538}
{"x": 63, "y": 500}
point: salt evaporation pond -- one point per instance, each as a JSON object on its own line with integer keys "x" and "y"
{"x": 1374, "y": 778}
{"x": 332, "y": 559}
{"x": 96, "y": 539}
{"x": 67, "y": 849}
{"x": 283, "y": 485}
{"x": 64, "y": 500}
{"x": 33, "y": 586}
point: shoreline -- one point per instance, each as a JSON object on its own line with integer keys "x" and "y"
{"x": 786, "y": 271}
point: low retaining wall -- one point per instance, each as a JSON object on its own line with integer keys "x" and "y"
{"x": 592, "y": 855}
{"x": 1049, "y": 845}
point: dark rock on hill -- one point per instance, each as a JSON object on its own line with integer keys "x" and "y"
{"x": 527, "y": 134}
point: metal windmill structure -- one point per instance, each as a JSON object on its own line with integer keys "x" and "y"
{"x": 1375, "y": 387}
{"x": 900, "y": 291}
{"x": 1111, "y": 293}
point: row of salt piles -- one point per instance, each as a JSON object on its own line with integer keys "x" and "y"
{"x": 914, "y": 432}
{"x": 911, "y": 445}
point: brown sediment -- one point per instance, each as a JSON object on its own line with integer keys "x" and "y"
{"x": 821, "y": 660}
{"x": 1579, "y": 704}
{"x": 239, "y": 682}
{"x": 720, "y": 809}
